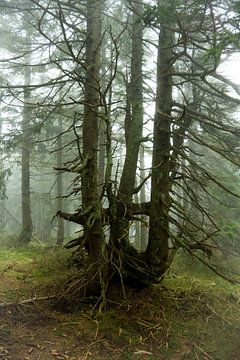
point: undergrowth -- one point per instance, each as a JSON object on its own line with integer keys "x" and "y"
{"x": 192, "y": 315}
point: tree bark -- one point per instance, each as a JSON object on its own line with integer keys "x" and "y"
{"x": 144, "y": 232}
{"x": 135, "y": 125}
{"x": 157, "y": 249}
{"x": 60, "y": 228}
{"x": 93, "y": 229}
{"x": 133, "y": 131}
{"x": 27, "y": 225}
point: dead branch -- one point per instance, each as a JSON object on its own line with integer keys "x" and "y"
{"x": 138, "y": 188}
{"x": 26, "y": 302}
{"x": 76, "y": 218}
{"x": 76, "y": 168}
{"x": 138, "y": 209}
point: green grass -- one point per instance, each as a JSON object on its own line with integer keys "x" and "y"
{"x": 18, "y": 255}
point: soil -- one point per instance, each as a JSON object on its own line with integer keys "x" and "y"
{"x": 167, "y": 322}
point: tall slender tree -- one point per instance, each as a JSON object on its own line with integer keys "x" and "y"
{"x": 27, "y": 225}
{"x": 60, "y": 228}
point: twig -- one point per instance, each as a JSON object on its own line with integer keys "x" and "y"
{"x": 207, "y": 355}
{"x": 27, "y": 301}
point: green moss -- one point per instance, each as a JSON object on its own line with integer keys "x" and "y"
{"x": 21, "y": 255}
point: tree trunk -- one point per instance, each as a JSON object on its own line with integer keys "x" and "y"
{"x": 102, "y": 156}
{"x": 144, "y": 232}
{"x": 103, "y": 121}
{"x": 133, "y": 128}
{"x": 93, "y": 229}
{"x": 27, "y": 226}
{"x": 3, "y": 189}
{"x": 60, "y": 228}
{"x": 135, "y": 121}
{"x": 157, "y": 249}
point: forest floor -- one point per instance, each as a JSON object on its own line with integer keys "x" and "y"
{"x": 187, "y": 317}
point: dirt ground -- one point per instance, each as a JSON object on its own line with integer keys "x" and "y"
{"x": 173, "y": 322}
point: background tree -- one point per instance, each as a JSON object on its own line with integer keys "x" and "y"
{"x": 27, "y": 226}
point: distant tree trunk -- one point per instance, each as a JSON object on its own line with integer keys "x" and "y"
{"x": 27, "y": 225}
{"x": 67, "y": 226}
{"x": 93, "y": 228}
{"x": 135, "y": 228}
{"x": 144, "y": 232}
{"x": 3, "y": 189}
{"x": 102, "y": 126}
{"x": 102, "y": 155}
{"x": 158, "y": 247}
{"x": 60, "y": 228}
